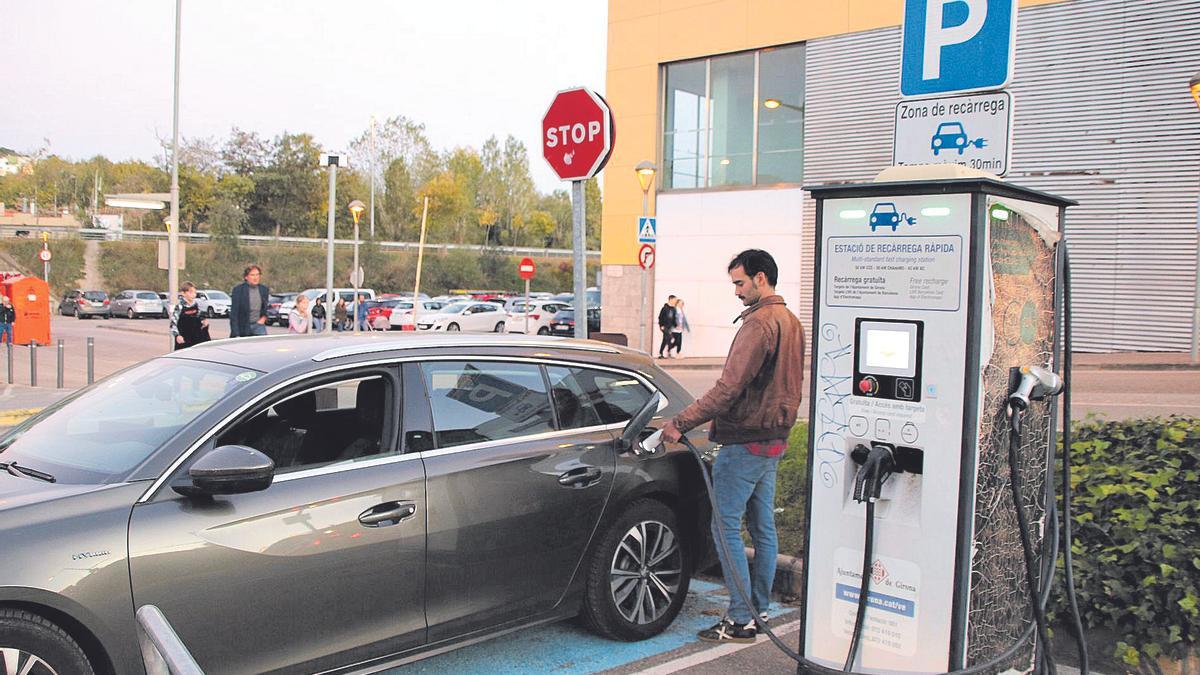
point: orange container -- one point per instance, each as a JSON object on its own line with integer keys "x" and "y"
{"x": 31, "y": 300}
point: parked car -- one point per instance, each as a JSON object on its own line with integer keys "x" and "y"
{"x": 137, "y": 304}
{"x": 203, "y": 481}
{"x": 402, "y": 314}
{"x": 346, "y": 294}
{"x": 593, "y": 297}
{"x": 213, "y": 302}
{"x": 162, "y": 295}
{"x": 480, "y": 317}
{"x": 379, "y": 312}
{"x": 85, "y": 304}
{"x": 541, "y": 313}
{"x": 273, "y": 303}
{"x": 564, "y": 321}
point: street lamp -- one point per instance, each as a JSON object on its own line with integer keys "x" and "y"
{"x": 1194, "y": 85}
{"x": 356, "y": 209}
{"x": 645, "y": 174}
{"x": 773, "y": 103}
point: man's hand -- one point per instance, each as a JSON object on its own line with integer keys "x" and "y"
{"x": 204, "y": 323}
{"x": 671, "y": 433}
{"x": 178, "y": 339}
{"x": 262, "y": 320}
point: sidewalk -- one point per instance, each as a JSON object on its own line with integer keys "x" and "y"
{"x": 1082, "y": 361}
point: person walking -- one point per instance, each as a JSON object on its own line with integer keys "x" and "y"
{"x": 188, "y": 325}
{"x": 360, "y": 313}
{"x": 681, "y": 327}
{"x": 318, "y": 314}
{"x": 8, "y": 318}
{"x": 340, "y": 315}
{"x": 753, "y": 407}
{"x": 666, "y": 324}
{"x": 299, "y": 319}
{"x": 248, "y": 305}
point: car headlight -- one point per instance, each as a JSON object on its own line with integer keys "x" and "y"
{"x": 937, "y": 142}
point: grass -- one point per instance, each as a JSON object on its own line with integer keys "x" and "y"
{"x": 66, "y": 267}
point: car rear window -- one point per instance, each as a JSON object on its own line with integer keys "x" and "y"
{"x": 474, "y": 402}
{"x": 148, "y": 296}
{"x": 96, "y": 295}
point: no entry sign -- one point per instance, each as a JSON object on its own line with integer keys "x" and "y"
{"x": 577, "y": 134}
{"x": 526, "y": 268}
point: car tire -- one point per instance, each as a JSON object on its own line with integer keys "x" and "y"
{"x": 38, "y": 645}
{"x": 499, "y": 327}
{"x": 130, "y": 314}
{"x": 164, "y": 315}
{"x": 81, "y": 316}
{"x": 543, "y": 331}
{"x": 453, "y": 327}
{"x": 614, "y": 598}
{"x": 210, "y": 312}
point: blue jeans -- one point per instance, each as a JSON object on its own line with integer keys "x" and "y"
{"x": 6, "y": 332}
{"x": 317, "y": 324}
{"x": 257, "y": 329}
{"x": 745, "y": 485}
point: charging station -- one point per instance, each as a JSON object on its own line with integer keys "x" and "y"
{"x": 930, "y": 294}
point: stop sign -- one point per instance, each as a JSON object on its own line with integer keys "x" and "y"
{"x": 577, "y": 134}
{"x": 526, "y": 268}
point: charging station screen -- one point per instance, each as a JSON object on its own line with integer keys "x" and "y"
{"x": 888, "y": 348}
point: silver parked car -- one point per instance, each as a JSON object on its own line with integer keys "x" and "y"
{"x": 336, "y": 503}
{"x": 136, "y": 304}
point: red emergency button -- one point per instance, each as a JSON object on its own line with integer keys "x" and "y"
{"x": 868, "y": 385}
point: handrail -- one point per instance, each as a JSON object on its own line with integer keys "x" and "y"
{"x": 166, "y": 643}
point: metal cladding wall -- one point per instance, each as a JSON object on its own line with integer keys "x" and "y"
{"x": 1102, "y": 116}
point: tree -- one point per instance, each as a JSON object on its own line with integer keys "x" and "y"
{"x": 593, "y": 209}
{"x": 196, "y": 193}
{"x": 505, "y": 186}
{"x": 398, "y": 200}
{"x": 246, "y": 152}
{"x": 290, "y": 189}
{"x": 236, "y": 188}
{"x": 541, "y": 228}
{"x": 225, "y": 222}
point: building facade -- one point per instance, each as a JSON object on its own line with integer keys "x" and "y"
{"x": 739, "y": 103}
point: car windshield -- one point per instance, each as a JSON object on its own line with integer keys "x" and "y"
{"x": 148, "y": 296}
{"x": 113, "y": 426}
{"x": 454, "y": 309}
{"x": 217, "y": 295}
{"x": 565, "y": 315}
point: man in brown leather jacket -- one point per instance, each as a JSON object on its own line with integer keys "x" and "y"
{"x": 753, "y": 407}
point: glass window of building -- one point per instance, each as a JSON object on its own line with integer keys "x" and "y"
{"x": 781, "y": 115}
{"x": 732, "y": 100}
{"x": 685, "y": 132}
{"x": 734, "y": 120}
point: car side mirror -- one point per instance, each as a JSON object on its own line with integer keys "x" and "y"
{"x": 629, "y": 436}
{"x": 228, "y": 470}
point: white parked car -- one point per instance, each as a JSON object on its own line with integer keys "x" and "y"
{"x": 540, "y": 314}
{"x": 346, "y": 294}
{"x": 402, "y": 313}
{"x": 213, "y": 302}
{"x": 479, "y": 317}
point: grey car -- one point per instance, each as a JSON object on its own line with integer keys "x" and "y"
{"x": 341, "y": 503}
{"x": 136, "y": 304}
{"x": 85, "y": 304}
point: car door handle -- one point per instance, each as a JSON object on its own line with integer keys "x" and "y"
{"x": 389, "y": 513}
{"x": 584, "y": 476}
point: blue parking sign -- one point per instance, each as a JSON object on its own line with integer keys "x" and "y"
{"x": 957, "y": 45}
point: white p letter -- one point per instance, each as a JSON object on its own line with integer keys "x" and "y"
{"x": 937, "y": 37}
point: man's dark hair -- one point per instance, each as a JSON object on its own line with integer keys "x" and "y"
{"x": 753, "y": 261}
{"x": 251, "y": 268}
{"x": 186, "y": 286}
{"x": 670, "y": 297}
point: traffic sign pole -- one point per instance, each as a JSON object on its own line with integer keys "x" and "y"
{"x": 527, "y": 307}
{"x": 578, "y": 228}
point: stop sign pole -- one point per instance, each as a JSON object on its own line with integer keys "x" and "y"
{"x": 577, "y": 140}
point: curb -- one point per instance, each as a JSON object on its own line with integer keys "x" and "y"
{"x": 134, "y": 330}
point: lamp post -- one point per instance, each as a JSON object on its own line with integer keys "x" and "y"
{"x": 1194, "y": 85}
{"x": 773, "y": 103}
{"x": 173, "y": 232}
{"x": 645, "y": 174}
{"x": 356, "y": 209}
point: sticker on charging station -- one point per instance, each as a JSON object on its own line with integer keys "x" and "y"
{"x": 894, "y": 272}
{"x": 892, "y": 610}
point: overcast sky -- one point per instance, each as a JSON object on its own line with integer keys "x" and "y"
{"x": 95, "y": 77}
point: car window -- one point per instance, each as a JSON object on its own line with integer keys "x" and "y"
{"x": 615, "y": 396}
{"x": 218, "y": 295}
{"x": 342, "y": 421}
{"x": 95, "y": 295}
{"x": 474, "y": 402}
{"x": 571, "y": 399}
{"x": 114, "y": 425}
{"x": 148, "y": 296}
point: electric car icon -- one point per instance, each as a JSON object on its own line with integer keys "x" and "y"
{"x": 885, "y": 214}
{"x": 949, "y": 136}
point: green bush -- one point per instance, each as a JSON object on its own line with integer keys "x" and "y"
{"x": 66, "y": 268}
{"x": 791, "y": 492}
{"x": 1136, "y": 513}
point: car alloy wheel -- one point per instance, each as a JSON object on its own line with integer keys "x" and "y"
{"x": 453, "y": 327}
{"x": 499, "y": 327}
{"x": 131, "y": 314}
{"x": 645, "y": 571}
{"x": 543, "y": 331}
{"x": 210, "y": 312}
{"x": 17, "y": 661}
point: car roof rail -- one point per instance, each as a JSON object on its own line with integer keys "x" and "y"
{"x": 407, "y": 343}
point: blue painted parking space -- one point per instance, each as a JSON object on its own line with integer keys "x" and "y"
{"x": 569, "y": 648}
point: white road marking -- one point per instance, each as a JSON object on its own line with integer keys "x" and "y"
{"x": 715, "y": 653}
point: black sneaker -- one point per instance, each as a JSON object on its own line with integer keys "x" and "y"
{"x": 726, "y": 630}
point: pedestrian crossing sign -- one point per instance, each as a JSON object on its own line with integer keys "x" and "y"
{"x": 647, "y": 230}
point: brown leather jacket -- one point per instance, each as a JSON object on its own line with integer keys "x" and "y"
{"x": 758, "y": 395}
